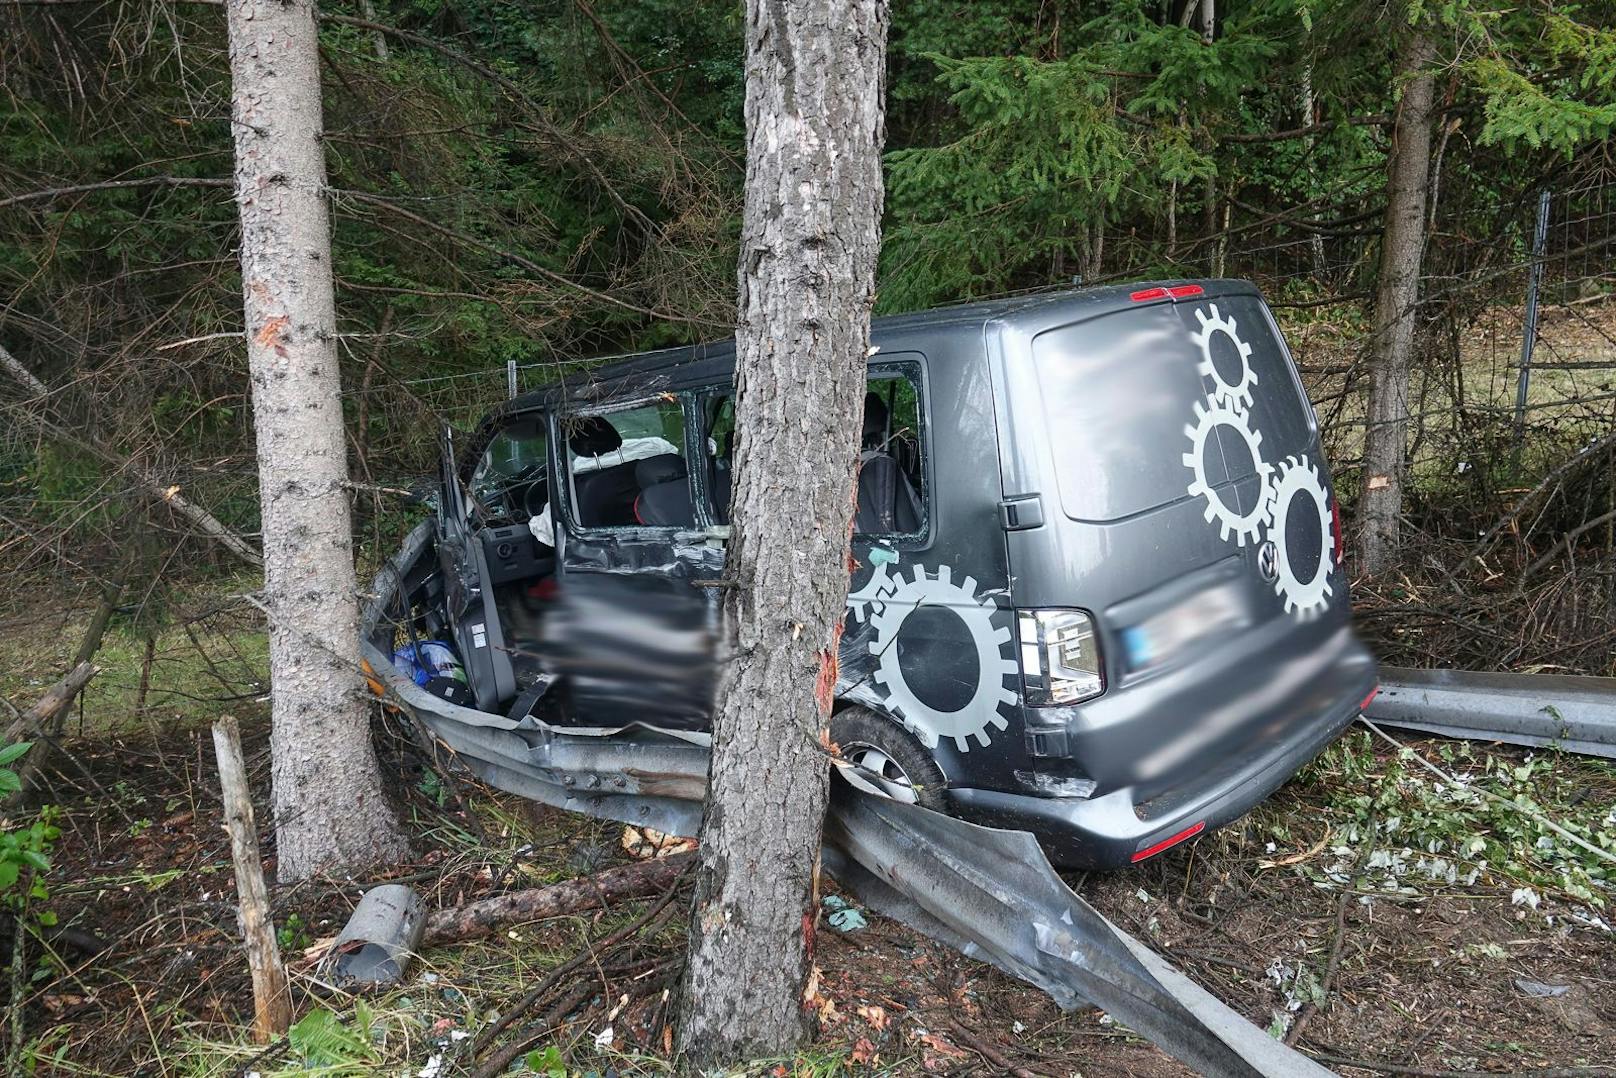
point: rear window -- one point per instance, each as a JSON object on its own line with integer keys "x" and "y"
{"x": 1119, "y": 393}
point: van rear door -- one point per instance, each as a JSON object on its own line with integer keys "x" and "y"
{"x": 1157, "y": 437}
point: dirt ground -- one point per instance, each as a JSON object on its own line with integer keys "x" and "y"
{"x": 1385, "y": 974}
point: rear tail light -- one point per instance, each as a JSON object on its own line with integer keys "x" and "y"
{"x": 1060, "y": 657}
{"x": 1335, "y": 531}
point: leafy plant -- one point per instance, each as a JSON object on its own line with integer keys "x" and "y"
{"x": 24, "y": 851}
{"x": 1401, "y": 830}
{"x": 322, "y": 1039}
{"x": 547, "y": 1062}
{"x": 292, "y": 936}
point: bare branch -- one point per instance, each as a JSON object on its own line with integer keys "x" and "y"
{"x": 114, "y": 185}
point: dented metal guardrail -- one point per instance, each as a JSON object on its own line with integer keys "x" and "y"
{"x": 1577, "y": 714}
{"x": 988, "y": 893}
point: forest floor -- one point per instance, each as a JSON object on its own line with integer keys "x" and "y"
{"x": 1432, "y": 934}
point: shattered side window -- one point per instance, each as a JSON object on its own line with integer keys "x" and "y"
{"x": 627, "y": 466}
{"x": 509, "y": 479}
{"x": 718, "y": 450}
{"x": 892, "y": 467}
{"x": 892, "y": 472}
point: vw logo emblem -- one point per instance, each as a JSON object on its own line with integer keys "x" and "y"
{"x": 1268, "y": 561}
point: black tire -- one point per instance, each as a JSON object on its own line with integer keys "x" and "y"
{"x": 857, "y": 730}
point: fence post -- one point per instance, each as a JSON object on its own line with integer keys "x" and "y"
{"x": 1534, "y": 282}
{"x": 510, "y": 378}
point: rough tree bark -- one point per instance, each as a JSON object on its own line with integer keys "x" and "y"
{"x": 1402, "y": 245}
{"x": 330, "y": 812}
{"x": 810, "y": 237}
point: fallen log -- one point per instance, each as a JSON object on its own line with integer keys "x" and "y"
{"x": 57, "y": 697}
{"x": 487, "y": 916}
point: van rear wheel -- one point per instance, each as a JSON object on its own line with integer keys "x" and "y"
{"x": 881, "y": 747}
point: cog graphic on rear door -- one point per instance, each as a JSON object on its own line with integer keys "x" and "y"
{"x": 981, "y": 711}
{"x": 1236, "y": 394}
{"x": 1243, "y": 526}
{"x": 1295, "y": 487}
{"x": 1300, "y": 490}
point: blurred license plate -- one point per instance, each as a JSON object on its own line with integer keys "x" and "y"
{"x": 1164, "y": 634}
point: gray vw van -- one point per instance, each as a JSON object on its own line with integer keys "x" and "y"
{"x": 1098, "y": 593}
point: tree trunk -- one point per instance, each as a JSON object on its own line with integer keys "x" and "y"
{"x": 1306, "y": 118}
{"x": 330, "y": 812}
{"x": 810, "y": 238}
{"x": 1396, "y": 298}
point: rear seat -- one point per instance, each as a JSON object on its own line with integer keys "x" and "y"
{"x": 664, "y": 499}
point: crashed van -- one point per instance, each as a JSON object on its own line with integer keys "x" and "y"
{"x": 1098, "y": 591}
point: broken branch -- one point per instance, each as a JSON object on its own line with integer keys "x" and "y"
{"x": 272, "y": 1000}
{"x": 57, "y": 697}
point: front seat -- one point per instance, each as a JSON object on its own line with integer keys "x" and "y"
{"x": 605, "y": 496}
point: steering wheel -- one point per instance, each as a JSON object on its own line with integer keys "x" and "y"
{"x": 530, "y": 478}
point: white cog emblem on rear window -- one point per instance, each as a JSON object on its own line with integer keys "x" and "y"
{"x": 981, "y": 711}
{"x": 1242, "y": 526}
{"x": 1300, "y": 490}
{"x": 1236, "y": 394}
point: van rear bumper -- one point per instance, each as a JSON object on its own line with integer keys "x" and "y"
{"x": 1109, "y": 832}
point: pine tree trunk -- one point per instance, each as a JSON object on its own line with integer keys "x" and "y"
{"x": 330, "y": 812}
{"x": 1402, "y": 244}
{"x": 811, "y": 235}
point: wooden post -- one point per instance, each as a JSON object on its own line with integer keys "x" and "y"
{"x": 272, "y": 1000}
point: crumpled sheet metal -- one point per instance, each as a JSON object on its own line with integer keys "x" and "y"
{"x": 988, "y": 893}
{"x": 1577, "y": 714}
{"x": 376, "y": 945}
{"x": 992, "y": 895}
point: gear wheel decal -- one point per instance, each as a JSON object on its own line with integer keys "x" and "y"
{"x": 1236, "y": 395}
{"x": 982, "y": 710}
{"x": 1243, "y": 526}
{"x": 1307, "y": 598}
{"x": 876, "y": 592}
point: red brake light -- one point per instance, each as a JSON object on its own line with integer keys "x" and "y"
{"x": 1178, "y": 291}
{"x": 1335, "y": 531}
{"x": 1166, "y": 843}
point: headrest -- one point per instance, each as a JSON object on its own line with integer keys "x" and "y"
{"x": 590, "y": 436}
{"x": 875, "y": 420}
{"x": 662, "y": 468}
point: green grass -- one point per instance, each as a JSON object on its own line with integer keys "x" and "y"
{"x": 225, "y": 668}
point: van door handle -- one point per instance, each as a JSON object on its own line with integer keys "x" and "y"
{"x": 1022, "y": 512}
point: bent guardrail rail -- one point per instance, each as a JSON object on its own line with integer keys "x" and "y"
{"x": 1570, "y": 712}
{"x": 988, "y": 893}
